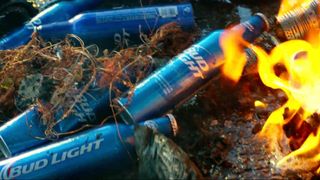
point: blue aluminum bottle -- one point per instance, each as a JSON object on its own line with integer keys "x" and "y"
{"x": 183, "y": 76}
{"x": 61, "y": 11}
{"x": 119, "y": 28}
{"x": 27, "y": 131}
{"x": 94, "y": 150}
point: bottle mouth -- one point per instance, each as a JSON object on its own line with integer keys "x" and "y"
{"x": 174, "y": 124}
{"x": 265, "y": 19}
{"x": 128, "y": 119}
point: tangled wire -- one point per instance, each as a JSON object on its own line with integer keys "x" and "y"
{"x": 55, "y": 77}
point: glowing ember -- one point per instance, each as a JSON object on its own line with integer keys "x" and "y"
{"x": 259, "y": 104}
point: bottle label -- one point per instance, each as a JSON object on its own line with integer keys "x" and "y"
{"x": 122, "y": 39}
{"x": 195, "y": 62}
{"x": 102, "y": 18}
{"x": 151, "y": 124}
{"x": 167, "y": 12}
{"x": 24, "y": 167}
{"x": 84, "y": 111}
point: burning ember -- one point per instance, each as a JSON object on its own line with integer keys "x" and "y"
{"x": 292, "y": 131}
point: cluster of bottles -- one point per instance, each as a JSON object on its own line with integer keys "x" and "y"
{"x": 109, "y": 29}
{"x": 152, "y": 98}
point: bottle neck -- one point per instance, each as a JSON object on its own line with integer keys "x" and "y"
{"x": 16, "y": 39}
{"x": 55, "y": 30}
{"x": 63, "y": 11}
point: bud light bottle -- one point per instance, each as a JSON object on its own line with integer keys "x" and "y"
{"x": 119, "y": 28}
{"x": 58, "y": 12}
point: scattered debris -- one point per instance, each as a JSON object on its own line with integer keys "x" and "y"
{"x": 161, "y": 158}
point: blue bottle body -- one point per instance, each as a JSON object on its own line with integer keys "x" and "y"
{"x": 183, "y": 76}
{"x": 95, "y": 149}
{"x": 120, "y": 27}
{"x": 61, "y": 11}
{"x": 29, "y": 131}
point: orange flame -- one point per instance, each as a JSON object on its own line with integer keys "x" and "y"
{"x": 301, "y": 84}
{"x": 288, "y": 5}
{"x": 232, "y": 45}
{"x": 294, "y": 140}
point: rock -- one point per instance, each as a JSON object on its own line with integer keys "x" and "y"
{"x": 228, "y": 124}
{"x": 214, "y": 122}
{"x": 256, "y": 128}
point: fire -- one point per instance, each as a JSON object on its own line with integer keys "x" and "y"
{"x": 288, "y": 5}
{"x": 292, "y": 131}
{"x": 294, "y": 140}
{"x": 234, "y": 57}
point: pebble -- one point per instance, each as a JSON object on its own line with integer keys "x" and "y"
{"x": 249, "y": 116}
{"x": 228, "y": 124}
{"x": 257, "y": 127}
{"x": 214, "y": 122}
